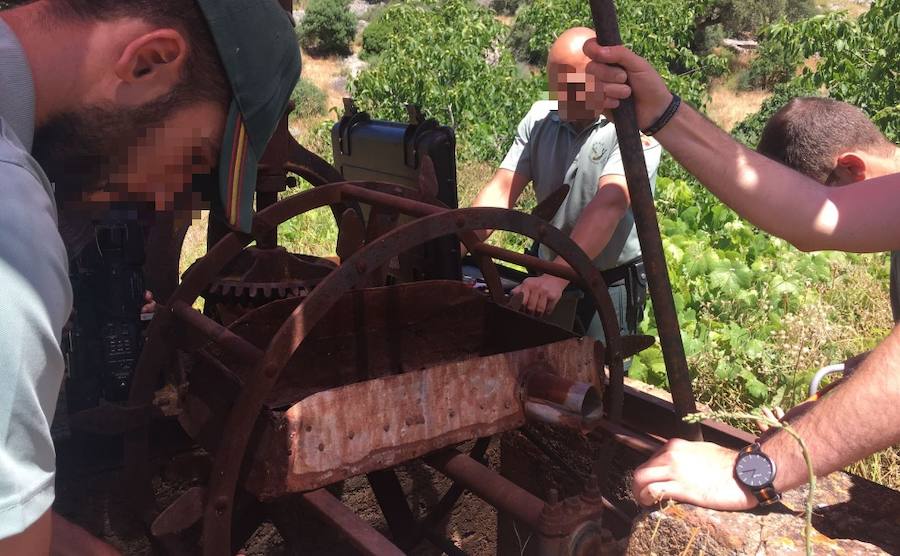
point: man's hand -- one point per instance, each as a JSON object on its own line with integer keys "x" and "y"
{"x": 697, "y": 473}
{"x": 149, "y": 306}
{"x": 612, "y": 66}
{"x": 540, "y": 294}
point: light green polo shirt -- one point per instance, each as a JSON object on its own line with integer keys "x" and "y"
{"x": 552, "y": 152}
{"x": 35, "y": 302}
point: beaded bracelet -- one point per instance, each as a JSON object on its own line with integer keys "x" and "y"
{"x": 666, "y": 116}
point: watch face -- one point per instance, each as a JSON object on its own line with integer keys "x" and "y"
{"x": 754, "y": 470}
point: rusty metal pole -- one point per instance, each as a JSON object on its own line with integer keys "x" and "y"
{"x": 607, "y": 27}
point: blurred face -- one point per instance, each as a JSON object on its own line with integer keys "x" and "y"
{"x": 101, "y": 155}
{"x": 567, "y": 85}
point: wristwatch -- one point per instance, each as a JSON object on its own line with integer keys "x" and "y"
{"x": 756, "y": 471}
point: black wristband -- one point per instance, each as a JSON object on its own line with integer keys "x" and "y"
{"x": 666, "y": 116}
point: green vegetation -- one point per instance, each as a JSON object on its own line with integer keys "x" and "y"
{"x": 660, "y": 31}
{"x": 308, "y": 99}
{"x": 450, "y": 59}
{"x": 328, "y": 27}
{"x": 741, "y": 18}
{"x": 857, "y": 58}
{"x": 771, "y": 66}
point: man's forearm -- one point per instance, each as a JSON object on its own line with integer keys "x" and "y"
{"x": 595, "y": 227}
{"x": 859, "y": 417}
{"x": 779, "y": 200}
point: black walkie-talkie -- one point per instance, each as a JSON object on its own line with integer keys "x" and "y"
{"x": 105, "y": 335}
{"x": 119, "y": 301}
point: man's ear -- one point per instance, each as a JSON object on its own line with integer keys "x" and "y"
{"x": 853, "y": 165}
{"x": 151, "y": 66}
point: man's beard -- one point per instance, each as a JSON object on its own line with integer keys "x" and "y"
{"x": 79, "y": 149}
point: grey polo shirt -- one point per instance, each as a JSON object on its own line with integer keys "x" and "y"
{"x": 35, "y": 302}
{"x": 552, "y": 152}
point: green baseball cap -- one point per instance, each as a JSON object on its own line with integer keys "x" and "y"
{"x": 256, "y": 42}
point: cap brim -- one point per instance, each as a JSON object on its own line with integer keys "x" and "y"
{"x": 237, "y": 173}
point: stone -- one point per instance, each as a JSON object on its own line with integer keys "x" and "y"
{"x": 850, "y": 516}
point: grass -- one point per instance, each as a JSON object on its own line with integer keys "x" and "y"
{"x": 728, "y": 106}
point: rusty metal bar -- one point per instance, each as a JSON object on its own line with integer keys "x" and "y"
{"x": 494, "y": 489}
{"x": 362, "y": 535}
{"x": 578, "y": 397}
{"x": 401, "y": 204}
{"x": 606, "y": 24}
{"x": 654, "y": 415}
{"x": 528, "y": 261}
{"x": 228, "y": 341}
{"x": 394, "y": 507}
{"x": 643, "y": 443}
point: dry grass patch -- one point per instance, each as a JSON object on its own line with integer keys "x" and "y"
{"x": 325, "y": 72}
{"x": 727, "y": 107}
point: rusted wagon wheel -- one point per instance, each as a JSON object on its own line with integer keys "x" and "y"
{"x": 253, "y": 370}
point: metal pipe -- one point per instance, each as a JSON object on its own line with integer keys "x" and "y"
{"x": 497, "y": 491}
{"x": 228, "y": 341}
{"x": 362, "y": 535}
{"x": 639, "y": 442}
{"x": 528, "y": 261}
{"x": 553, "y": 415}
{"x": 631, "y": 147}
{"x": 577, "y": 397}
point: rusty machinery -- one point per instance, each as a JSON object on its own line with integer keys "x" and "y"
{"x": 302, "y": 372}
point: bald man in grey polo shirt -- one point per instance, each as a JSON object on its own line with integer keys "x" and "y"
{"x": 565, "y": 141}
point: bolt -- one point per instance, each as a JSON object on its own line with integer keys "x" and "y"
{"x": 308, "y": 428}
{"x": 321, "y": 447}
{"x": 350, "y": 435}
{"x": 452, "y": 414}
{"x": 221, "y": 505}
{"x": 387, "y": 427}
{"x": 409, "y": 421}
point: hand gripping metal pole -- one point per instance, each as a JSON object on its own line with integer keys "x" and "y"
{"x": 607, "y": 27}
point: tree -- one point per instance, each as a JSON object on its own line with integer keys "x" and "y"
{"x": 856, "y": 59}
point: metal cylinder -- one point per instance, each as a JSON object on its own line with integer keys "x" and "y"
{"x": 577, "y": 397}
{"x": 494, "y": 489}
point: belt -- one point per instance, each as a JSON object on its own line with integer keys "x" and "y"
{"x": 618, "y": 273}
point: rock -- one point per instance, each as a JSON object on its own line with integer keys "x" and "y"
{"x": 353, "y": 65}
{"x": 852, "y": 516}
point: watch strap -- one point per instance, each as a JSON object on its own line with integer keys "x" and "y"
{"x": 766, "y": 496}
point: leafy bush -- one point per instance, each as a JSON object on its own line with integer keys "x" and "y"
{"x": 749, "y": 305}
{"x": 450, "y": 60}
{"x": 328, "y": 27}
{"x": 660, "y": 30}
{"x": 379, "y": 31}
{"x": 772, "y": 64}
{"x": 857, "y": 59}
{"x": 748, "y": 17}
{"x": 308, "y": 99}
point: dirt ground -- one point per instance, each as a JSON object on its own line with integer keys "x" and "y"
{"x": 90, "y": 492}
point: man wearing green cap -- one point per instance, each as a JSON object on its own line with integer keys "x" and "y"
{"x": 101, "y": 102}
